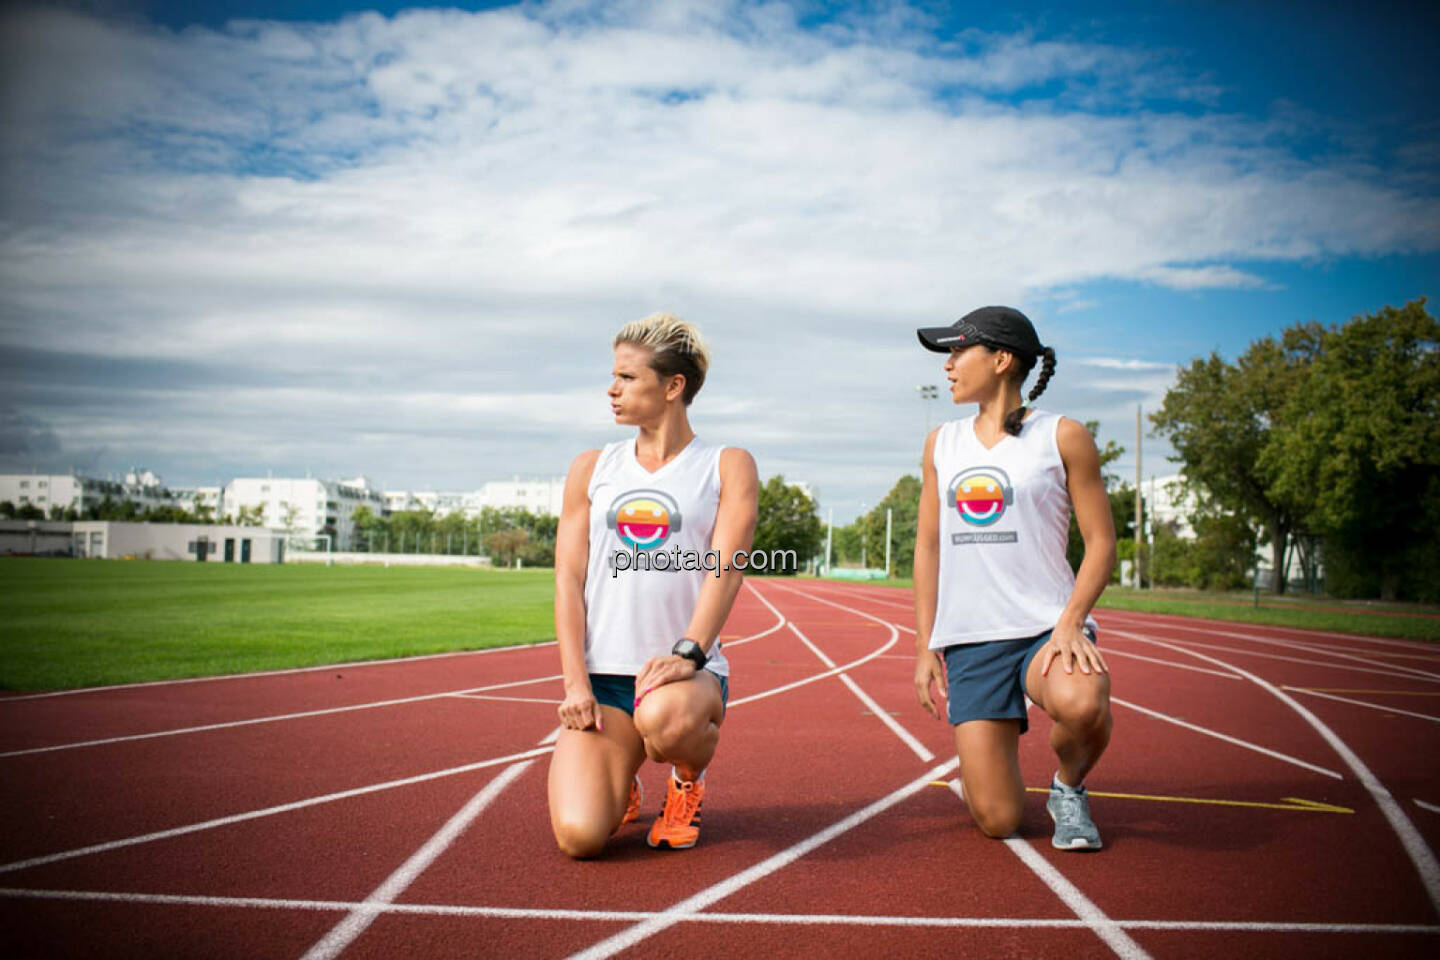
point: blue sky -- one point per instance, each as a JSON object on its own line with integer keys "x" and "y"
{"x": 292, "y": 237}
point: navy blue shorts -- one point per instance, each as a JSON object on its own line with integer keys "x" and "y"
{"x": 618, "y": 690}
{"x": 986, "y": 681}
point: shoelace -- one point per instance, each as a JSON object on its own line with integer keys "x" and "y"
{"x": 1070, "y": 806}
{"x": 680, "y": 806}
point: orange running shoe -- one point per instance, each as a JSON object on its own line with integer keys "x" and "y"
{"x": 637, "y": 796}
{"x": 678, "y": 826}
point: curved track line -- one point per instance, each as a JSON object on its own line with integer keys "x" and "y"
{"x": 1323, "y": 649}
{"x": 1384, "y": 708}
{"x": 1179, "y": 619}
{"x": 1420, "y": 854}
{"x": 347, "y": 665}
{"x": 1276, "y": 656}
{"x": 779, "y": 620}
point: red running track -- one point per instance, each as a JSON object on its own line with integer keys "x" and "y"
{"x": 1269, "y": 792}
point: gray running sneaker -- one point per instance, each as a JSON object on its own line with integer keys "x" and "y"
{"x": 1070, "y": 809}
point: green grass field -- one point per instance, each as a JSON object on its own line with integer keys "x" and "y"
{"x": 75, "y": 623}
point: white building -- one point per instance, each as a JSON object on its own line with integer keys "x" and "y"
{"x": 538, "y": 496}
{"x": 177, "y": 541}
{"x": 305, "y": 509}
{"x": 1169, "y": 503}
{"x": 73, "y": 491}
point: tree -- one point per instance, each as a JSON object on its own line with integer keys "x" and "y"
{"x": 365, "y": 524}
{"x": 787, "y": 519}
{"x": 1220, "y": 417}
{"x": 251, "y": 516}
{"x": 504, "y": 546}
{"x": 1123, "y": 515}
{"x": 7, "y": 509}
{"x": 903, "y": 501}
{"x": 28, "y": 511}
{"x": 1359, "y": 446}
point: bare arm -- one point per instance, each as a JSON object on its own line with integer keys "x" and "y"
{"x": 929, "y": 671}
{"x": 572, "y": 554}
{"x": 734, "y": 530}
{"x": 1097, "y": 529}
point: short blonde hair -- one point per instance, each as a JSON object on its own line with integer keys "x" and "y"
{"x": 675, "y": 346}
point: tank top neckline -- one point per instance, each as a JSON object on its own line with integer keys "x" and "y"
{"x": 632, "y": 449}
{"x": 1031, "y": 416}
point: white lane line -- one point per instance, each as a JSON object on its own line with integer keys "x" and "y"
{"x": 694, "y": 904}
{"x": 179, "y": 731}
{"x": 906, "y": 737}
{"x": 1320, "y": 648}
{"x": 1364, "y": 703}
{"x": 779, "y": 620}
{"x": 1427, "y": 806}
{"x": 1179, "y": 621}
{"x": 1082, "y": 906}
{"x": 482, "y": 696}
{"x": 348, "y": 665}
{"x": 360, "y": 791}
{"x": 788, "y": 919}
{"x": 1420, "y": 854}
{"x": 879, "y": 651}
{"x": 1310, "y": 662}
{"x": 359, "y": 920}
{"x": 267, "y": 811}
{"x": 1112, "y": 652}
{"x": 1226, "y": 737}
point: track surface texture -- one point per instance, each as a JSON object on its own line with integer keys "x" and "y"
{"x": 1268, "y": 792}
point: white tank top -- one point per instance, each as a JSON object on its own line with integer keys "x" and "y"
{"x": 634, "y": 614}
{"x": 1004, "y": 524}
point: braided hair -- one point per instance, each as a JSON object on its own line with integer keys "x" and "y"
{"x": 1015, "y": 417}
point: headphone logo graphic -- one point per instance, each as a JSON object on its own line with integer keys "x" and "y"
{"x": 981, "y": 495}
{"x": 644, "y": 519}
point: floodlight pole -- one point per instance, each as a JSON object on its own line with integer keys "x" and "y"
{"x": 829, "y": 533}
{"x": 889, "y": 513}
{"x": 1139, "y": 507}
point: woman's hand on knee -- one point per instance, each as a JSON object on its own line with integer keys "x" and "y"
{"x": 579, "y": 710}
{"x": 930, "y": 682}
{"x": 659, "y": 671}
{"x": 1071, "y": 645}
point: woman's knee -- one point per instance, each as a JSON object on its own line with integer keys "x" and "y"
{"x": 577, "y": 838}
{"x": 996, "y": 819}
{"x": 664, "y": 720}
{"x": 1080, "y": 708}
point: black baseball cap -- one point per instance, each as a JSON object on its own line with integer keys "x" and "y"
{"x": 1003, "y": 328}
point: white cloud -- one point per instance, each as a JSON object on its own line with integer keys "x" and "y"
{"x": 449, "y": 194}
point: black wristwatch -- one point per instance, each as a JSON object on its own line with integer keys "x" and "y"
{"x": 690, "y": 650}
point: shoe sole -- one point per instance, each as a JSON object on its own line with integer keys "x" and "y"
{"x": 673, "y": 846}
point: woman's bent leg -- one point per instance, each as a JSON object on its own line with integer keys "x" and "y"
{"x": 680, "y": 723}
{"x": 590, "y": 776}
{"x": 990, "y": 774}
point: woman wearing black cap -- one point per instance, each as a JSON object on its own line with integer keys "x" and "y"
{"x": 998, "y": 610}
